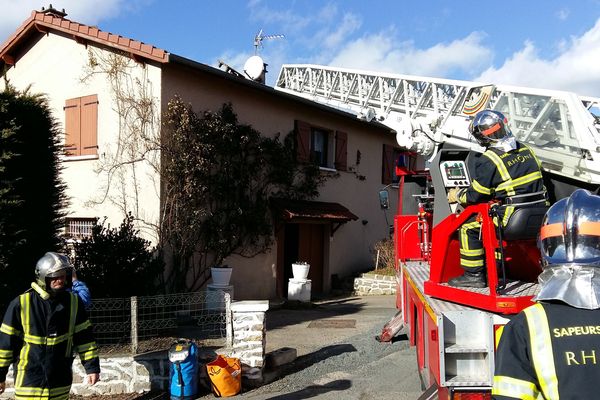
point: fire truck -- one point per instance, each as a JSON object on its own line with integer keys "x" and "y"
{"x": 456, "y": 330}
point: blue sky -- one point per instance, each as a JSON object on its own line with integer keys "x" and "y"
{"x": 541, "y": 43}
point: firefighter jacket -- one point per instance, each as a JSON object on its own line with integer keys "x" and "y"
{"x": 505, "y": 176}
{"x": 40, "y": 334}
{"x": 552, "y": 349}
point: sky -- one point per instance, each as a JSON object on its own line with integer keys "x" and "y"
{"x": 551, "y": 44}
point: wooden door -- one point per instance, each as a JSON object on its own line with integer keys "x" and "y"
{"x": 310, "y": 248}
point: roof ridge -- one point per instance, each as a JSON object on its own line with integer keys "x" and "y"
{"x": 86, "y": 32}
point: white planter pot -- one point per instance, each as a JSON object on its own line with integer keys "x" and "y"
{"x": 300, "y": 271}
{"x": 221, "y": 276}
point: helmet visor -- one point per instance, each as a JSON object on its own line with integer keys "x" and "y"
{"x": 584, "y": 250}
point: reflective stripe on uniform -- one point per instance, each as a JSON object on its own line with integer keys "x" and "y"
{"x": 511, "y": 387}
{"x": 472, "y": 252}
{"x": 510, "y": 184}
{"x": 463, "y": 232}
{"x": 87, "y": 351}
{"x": 537, "y": 160}
{"x": 478, "y": 187}
{"x": 41, "y": 393}
{"x": 82, "y": 326}
{"x": 24, "y": 354}
{"x": 508, "y": 211}
{"x": 499, "y": 164}
{"x": 49, "y": 341}
{"x": 9, "y": 330}
{"x": 541, "y": 350}
{"x": 5, "y": 358}
{"x": 74, "y": 306}
{"x": 471, "y": 263}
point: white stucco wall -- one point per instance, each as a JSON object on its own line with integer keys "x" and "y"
{"x": 54, "y": 66}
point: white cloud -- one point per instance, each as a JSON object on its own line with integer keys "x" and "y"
{"x": 332, "y": 39}
{"x": 382, "y": 52}
{"x": 289, "y": 20}
{"x": 576, "y": 68}
{"x": 563, "y": 14}
{"x": 15, "y": 12}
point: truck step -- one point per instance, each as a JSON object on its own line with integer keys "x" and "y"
{"x": 467, "y": 380}
{"x": 458, "y": 348}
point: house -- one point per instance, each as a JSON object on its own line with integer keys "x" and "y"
{"x": 109, "y": 170}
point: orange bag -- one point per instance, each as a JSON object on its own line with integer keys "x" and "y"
{"x": 225, "y": 374}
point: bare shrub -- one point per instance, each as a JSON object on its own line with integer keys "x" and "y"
{"x": 385, "y": 250}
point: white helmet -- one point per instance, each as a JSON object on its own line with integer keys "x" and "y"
{"x": 51, "y": 265}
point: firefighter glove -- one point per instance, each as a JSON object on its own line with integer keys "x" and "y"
{"x": 453, "y": 195}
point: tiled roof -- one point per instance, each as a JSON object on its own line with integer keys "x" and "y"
{"x": 316, "y": 210}
{"x": 42, "y": 22}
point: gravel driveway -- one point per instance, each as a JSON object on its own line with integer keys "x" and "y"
{"x": 338, "y": 356}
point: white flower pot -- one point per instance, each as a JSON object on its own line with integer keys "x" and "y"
{"x": 300, "y": 271}
{"x": 221, "y": 275}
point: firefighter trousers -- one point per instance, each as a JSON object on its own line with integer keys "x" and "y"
{"x": 472, "y": 254}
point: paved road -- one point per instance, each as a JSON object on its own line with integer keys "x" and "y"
{"x": 338, "y": 356}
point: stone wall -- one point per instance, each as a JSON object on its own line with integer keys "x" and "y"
{"x": 373, "y": 284}
{"x": 144, "y": 372}
{"x": 119, "y": 375}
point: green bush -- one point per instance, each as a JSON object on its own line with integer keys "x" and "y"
{"x": 32, "y": 196}
{"x": 116, "y": 262}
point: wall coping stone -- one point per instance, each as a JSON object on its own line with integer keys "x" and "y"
{"x": 250, "y": 306}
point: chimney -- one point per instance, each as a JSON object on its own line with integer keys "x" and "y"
{"x": 54, "y": 12}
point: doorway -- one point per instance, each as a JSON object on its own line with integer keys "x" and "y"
{"x": 304, "y": 242}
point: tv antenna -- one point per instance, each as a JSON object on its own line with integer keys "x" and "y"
{"x": 260, "y": 37}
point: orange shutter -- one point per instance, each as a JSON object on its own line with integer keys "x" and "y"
{"x": 89, "y": 125}
{"x": 72, "y": 127}
{"x": 388, "y": 164}
{"x": 302, "y": 141}
{"x": 341, "y": 151}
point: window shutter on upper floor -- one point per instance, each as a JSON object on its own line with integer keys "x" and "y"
{"x": 72, "y": 127}
{"x": 341, "y": 151}
{"x": 302, "y": 141}
{"x": 89, "y": 125}
{"x": 81, "y": 126}
{"x": 387, "y": 175}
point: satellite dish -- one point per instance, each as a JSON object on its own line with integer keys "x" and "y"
{"x": 254, "y": 68}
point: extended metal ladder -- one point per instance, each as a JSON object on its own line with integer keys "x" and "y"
{"x": 559, "y": 125}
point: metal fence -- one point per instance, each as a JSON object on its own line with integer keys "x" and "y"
{"x": 126, "y": 323}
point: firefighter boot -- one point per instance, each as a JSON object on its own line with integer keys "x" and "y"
{"x": 469, "y": 279}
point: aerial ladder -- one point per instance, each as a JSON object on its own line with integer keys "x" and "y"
{"x": 456, "y": 330}
{"x": 562, "y": 127}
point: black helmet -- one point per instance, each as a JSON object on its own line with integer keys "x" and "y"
{"x": 489, "y": 126}
{"x": 570, "y": 232}
{"x": 51, "y": 265}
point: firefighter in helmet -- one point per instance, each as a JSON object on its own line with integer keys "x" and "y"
{"x": 552, "y": 348}
{"x": 507, "y": 172}
{"x": 42, "y": 330}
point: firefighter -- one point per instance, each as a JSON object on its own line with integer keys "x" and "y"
{"x": 507, "y": 172}
{"x": 41, "y": 331}
{"x": 553, "y": 347}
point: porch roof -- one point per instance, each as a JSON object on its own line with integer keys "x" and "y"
{"x": 288, "y": 209}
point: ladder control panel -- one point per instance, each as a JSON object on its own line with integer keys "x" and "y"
{"x": 455, "y": 174}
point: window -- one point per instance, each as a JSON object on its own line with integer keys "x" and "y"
{"x": 319, "y": 148}
{"x": 391, "y": 155}
{"x": 327, "y": 148}
{"x": 79, "y": 228}
{"x": 81, "y": 126}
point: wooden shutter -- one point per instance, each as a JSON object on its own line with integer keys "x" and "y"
{"x": 72, "y": 127}
{"x": 388, "y": 164}
{"x": 89, "y": 125}
{"x": 341, "y": 151}
{"x": 302, "y": 141}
